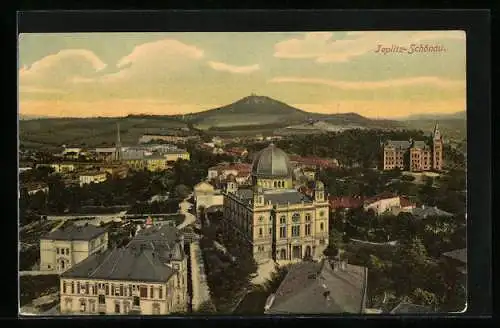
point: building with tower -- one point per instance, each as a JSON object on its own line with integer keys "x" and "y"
{"x": 273, "y": 219}
{"x": 413, "y": 155}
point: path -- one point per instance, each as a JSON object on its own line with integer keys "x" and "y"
{"x": 389, "y": 243}
{"x": 36, "y": 273}
{"x": 201, "y": 292}
{"x": 184, "y": 208}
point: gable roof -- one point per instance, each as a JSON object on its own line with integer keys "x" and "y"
{"x": 316, "y": 287}
{"x": 345, "y": 202}
{"x": 423, "y": 212}
{"x": 458, "y": 254}
{"x": 409, "y": 308}
{"x": 73, "y": 232}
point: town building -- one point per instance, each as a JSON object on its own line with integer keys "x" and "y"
{"x": 63, "y": 167}
{"x": 236, "y": 152}
{"x": 223, "y": 171}
{"x": 63, "y": 248}
{"x": 147, "y": 277}
{"x": 338, "y": 203}
{"x": 115, "y": 170}
{"x": 92, "y": 177}
{"x": 388, "y": 203}
{"x": 173, "y": 155}
{"x": 312, "y": 162}
{"x": 424, "y": 212}
{"x": 272, "y": 219}
{"x": 205, "y": 195}
{"x": 415, "y": 156}
{"x": 325, "y": 287}
{"x": 34, "y": 188}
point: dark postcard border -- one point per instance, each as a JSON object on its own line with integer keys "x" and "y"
{"x": 474, "y": 22}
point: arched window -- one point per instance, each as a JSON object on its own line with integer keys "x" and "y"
{"x": 282, "y": 219}
{"x": 321, "y": 226}
{"x": 283, "y": 254}
{"x": 275, "y": 184}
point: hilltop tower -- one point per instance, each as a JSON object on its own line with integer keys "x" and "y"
{"x": 437, "y": 149}
{"x": 118, "y": 150}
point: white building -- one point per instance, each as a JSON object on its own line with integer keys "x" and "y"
{"x": 206, "y": 196}
{"x": 149, "y": 276}
{"x": 383, "y": 203}
{"x": 63, "y": 248}
{"x": 92, "y": 177}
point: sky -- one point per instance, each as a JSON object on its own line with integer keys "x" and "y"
{"x": 116, "y": 74}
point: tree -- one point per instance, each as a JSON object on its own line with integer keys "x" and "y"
{"x": 277, "y": 277}
{"x": 181, "y": 191}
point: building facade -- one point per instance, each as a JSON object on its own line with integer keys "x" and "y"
{"x": 63, "y": 248}
{"x": 274, "y": 220}
{"x": 92, "y": 177}
{"x": 416, "y": 156}
{"x": 147, "y": 277}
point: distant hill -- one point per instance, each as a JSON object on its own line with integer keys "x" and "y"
{"x": 262, "y": 110}
{"x": 462, "y": 115}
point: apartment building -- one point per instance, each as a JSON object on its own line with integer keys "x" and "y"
{"x": 147, "y": 277}
{"x": 61, "y": 249}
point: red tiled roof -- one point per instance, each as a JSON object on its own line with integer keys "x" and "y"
{"x": 324, "y": 162}
{"x": 345, "y": 202}
{"x": 306, "y": 191}
{"x": 405, "y": 202}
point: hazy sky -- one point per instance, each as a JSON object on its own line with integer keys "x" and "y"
{"x": 115, "y": 74}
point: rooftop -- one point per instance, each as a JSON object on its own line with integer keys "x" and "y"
{"x": 320, "y": 287}
{"x": 145, "y": 258}
{"x": 410, "y": 308}
{"x": 73, "y": 232}
{"x": 423, "y": 212}
{"x": 376, "y": 198}
{"x": 458, "y": 254}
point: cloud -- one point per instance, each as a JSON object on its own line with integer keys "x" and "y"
{"x": 61, "y": 65}
{"x": 31, "y": 89}
{"x": 150, "y": 61}
{"x": 218, "y": 66}
{"x": 362, "y": 85}
{"x": 323, "y": 47}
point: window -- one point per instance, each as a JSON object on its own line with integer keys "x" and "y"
{"x": 322, "y": 213}
{"x": 260, "y": 232}
{"x": 57, "y": 250}
{"x": 64, "y": 287}
{"x": 270, "y": 231}
{"x": 121, "y": 290}
{"x": 83, "y": 306}
{"x": 117, "y": 307}
{"x": 321, "y": 241}
{"x": 282, "y": 219}
{"x": 308, "y": 230}
{"x": 296, "y": 217}
{"x": 107, "y": 289}
{"x": 296, "y": 231}
{"x": 67, "y": 251}
{"x": 126, "y": 307}
{"x": 129, "y": 290}
{"x": 151, "y": 292}
{"x": 92, "y": 306}
{"x": 156, "y": 308}
{"x": 86, "y": 288}
{"x": 160, "y": 292}
{"x": 144, "y": 291}
{"x": 321, "y": 226}
{"x": 137, "y": 301}
{"x": 102, "y": 299}
{"x": 283, "y": 232}
{"x": 308, "y": 217}
{"x": 261, "y": 218}
{"x": 72, "y": 287}
{"x": 78, "y": 287}
{"x": 260, "y": 249}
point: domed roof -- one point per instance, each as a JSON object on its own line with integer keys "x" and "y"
{"x": 271, "y": 162}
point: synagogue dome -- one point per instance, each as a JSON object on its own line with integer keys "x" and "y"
{"x": 271, "y": 162}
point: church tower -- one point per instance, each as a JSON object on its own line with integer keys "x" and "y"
{"x": 319, "y": 192}
{"x": 437, "y": 149}
{"x": 118, "y": 150}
